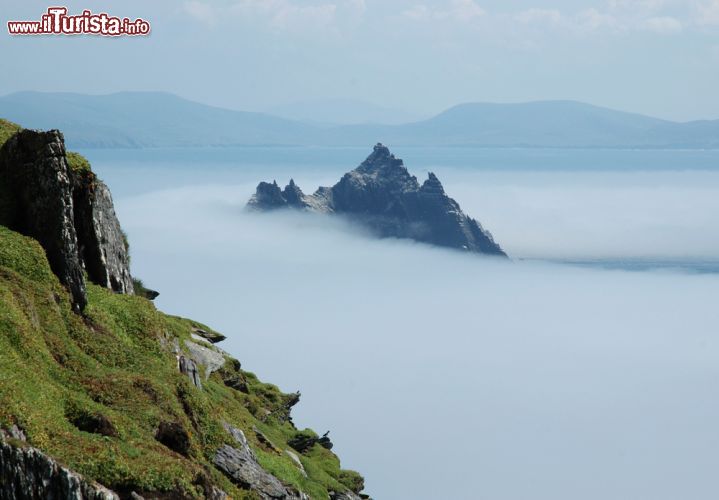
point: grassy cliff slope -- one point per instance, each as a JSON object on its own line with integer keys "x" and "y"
{"x": 91, "y": 391}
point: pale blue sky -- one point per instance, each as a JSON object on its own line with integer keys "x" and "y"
{"x": 659, "y": 57}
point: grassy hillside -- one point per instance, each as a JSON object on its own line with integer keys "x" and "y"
{"x": 113, "y": 374}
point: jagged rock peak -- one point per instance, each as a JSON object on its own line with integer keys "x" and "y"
{"x": 382, "y": 195}
{"x": 380, "y": 157}
{"x": 380, "y": 173}
{"x": 268, "y": 195}
{"x": 432, "y": 185}
{"x": 381, "y": 163}
{"x": 293, "y": 194}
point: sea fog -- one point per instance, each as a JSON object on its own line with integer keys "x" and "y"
{"x": 445, "y": 375}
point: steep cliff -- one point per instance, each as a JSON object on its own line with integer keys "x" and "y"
{"x": 36, "y": 180}
{"x": 68, "y": 210}
{"x": 102, "y": 245}
{"x": 382, "y": 195}
{"x": 123, "y": 401}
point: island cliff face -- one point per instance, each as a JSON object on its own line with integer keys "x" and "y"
{"x": 70, "y": 212}
{"x": 102, "y": 396}
{"x": 382, "y": 195}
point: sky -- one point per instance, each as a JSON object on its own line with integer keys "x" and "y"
{"x": 445, "y": 375}
{"x": 657, "y": 57}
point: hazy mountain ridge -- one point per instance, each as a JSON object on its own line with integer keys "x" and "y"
{"x": 156, "y": 119}
{"x": 146, "y": 119}
{"x": 334, "y": 112}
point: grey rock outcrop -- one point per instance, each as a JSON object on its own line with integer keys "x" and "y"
{"x": 70, "y": 213}
{"x": 296, "y": 459}
{"x": 210, "y": 358}
{"x": 240, "y": 465}
{"x": 28, "y": 474}
{"x": 381, "y": 195}
{"x": 344, "y": 495}
{"x": 14, "y": 432}
{"x": 212, "y": 337}
{"x": 102, "y": 245}
{"x": 188, "y": 367}
{"x": 36, "y": 180}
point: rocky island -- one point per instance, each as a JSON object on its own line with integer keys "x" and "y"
{"x": 102, "y": 396}
{"x": 383, "y": 196}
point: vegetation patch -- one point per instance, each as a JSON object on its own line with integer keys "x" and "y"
{"x": 78, "y": 163}
{"x": 94, "y": 391}
{"x": 7, "y": 130}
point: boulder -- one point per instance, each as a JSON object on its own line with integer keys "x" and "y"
{"x": 212, "y": 337}
{"x": 239, "y": 464}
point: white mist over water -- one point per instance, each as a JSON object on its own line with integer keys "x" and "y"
{"x": 443, "y": 375}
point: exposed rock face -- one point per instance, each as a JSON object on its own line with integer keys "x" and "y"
{"x": 303, "y": 442}
{"x": 103, "y": 248}
{"x": 212, "y": 337}
{"x": 211, "y": 359}
{"x": 240, "y": 466}
{"x": 70, "y": 213}
{"x": 28, "y": 474}
{"x": 189, "y": 368}
{"x": 296, "y": 459}
{"x": 382, "y": 195}
{"x": 344, "y": 495}
{"x": 34, "y": 169}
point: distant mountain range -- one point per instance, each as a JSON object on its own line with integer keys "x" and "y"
{"x": 156, "y": 119}
{"x": 341, "y": 112}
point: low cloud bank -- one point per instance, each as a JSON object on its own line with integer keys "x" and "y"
{"x": 532, "y": 214}
{"x": 443, "y": 375}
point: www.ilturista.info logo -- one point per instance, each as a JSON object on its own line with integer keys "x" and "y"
{"x": 56, "y": 21}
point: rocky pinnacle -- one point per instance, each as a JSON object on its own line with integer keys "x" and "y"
{"x": 383, "y": 196}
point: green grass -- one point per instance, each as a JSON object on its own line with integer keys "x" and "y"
{"x": 7, "y": 129}
{"x": 77, "y": 162}
{"x": 116, "y": 362}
